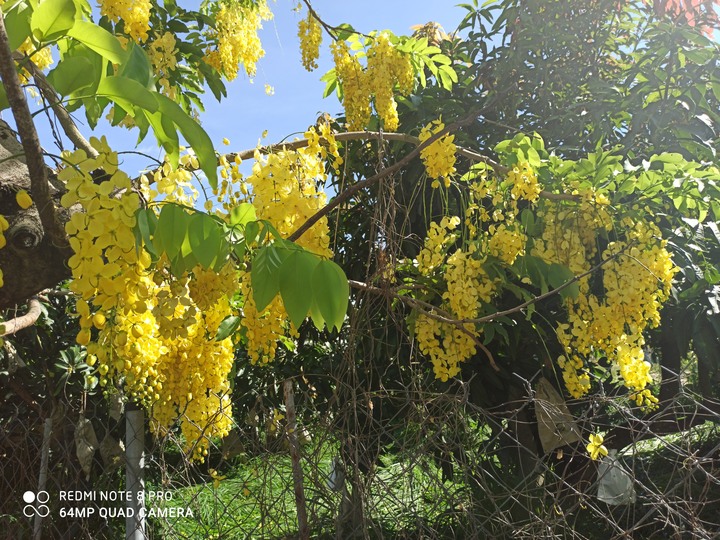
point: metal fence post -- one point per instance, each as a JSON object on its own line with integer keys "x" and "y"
{"x": 134, "y": 473}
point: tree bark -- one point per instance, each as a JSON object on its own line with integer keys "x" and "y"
{"x": 30, "y": 261}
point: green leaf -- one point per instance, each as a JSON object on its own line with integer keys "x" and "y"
{"x": 99, "y": 40}
{"x": 172, "y": 229}
{"x": 265, "y": 275}
{"x": 194, "y": 135}
{"x": 52, "y": 19}
{"x": 72, "y": 74}
{"x": 128, "y": 94}
{"x": 527, "y": 218}
{"x": 227, "y": 327}
{"x": 558, "y": 275}
{"x": 315, "y": 315}
{"x": 252, "y": 229}
{"x": 17, "y": 23}
{"x": 137, "y": 66}
{"x": 295, "y": 283}
{"x": 166, "y": 136}
{"x": 331, "y": 292}
{"x": 145, "y": 225}
{"x": 242, "y": 214}
{"x": 239, "y": 249}
{"x": 206, "y": 240}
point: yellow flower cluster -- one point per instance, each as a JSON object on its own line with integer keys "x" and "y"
{"x": 438, "y": 157}
{"x": 446, "y": 345}
{"x": 468, "y": 285}
{"x": 42, "y": 58}
{"x": 310, "y": 35}
{"x": 562, "y": 238}
{"x": 324, "y": 139}
{"x": 355, "y": 85}
{"x": 174, "y": 184}
{"x": 286, "y": 191}
{"x": 506, "y": 242}
{"x": 432, "y": 255}
{"x": 524, "y": 183}
{"x": 162, "y": 53}
{"x": 636, "y": 280}
{"x": 195, "y": 369}
{"x": 177, "y": 370}
{"x": 263, "y": 329}
{"x": 102, "y": 233}
{"x": 135, "y": 15}
{"x": 387, "y": 69}
{"x": 238, "y": 43}
{"x": 232, "y": 189}
{"x": 596, "y": 448}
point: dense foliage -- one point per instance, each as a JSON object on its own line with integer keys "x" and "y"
{"x": 523, "y": 191}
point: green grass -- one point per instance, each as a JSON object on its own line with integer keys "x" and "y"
{"x": 407, "y": 497}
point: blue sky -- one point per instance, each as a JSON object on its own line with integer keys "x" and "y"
{"x": 248, "y": 110}
{"x": 298, "y": 94}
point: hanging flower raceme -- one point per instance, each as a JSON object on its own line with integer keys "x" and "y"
{"x": 439, "y": 156}
{"x": 135, "y": 14}
{"x": 310, "y": 34}
{"x": 146, "y": 331}
{"x": 388, "y": 71}
{"x": 237, "y": 37}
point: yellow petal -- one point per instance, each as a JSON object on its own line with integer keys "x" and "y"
{"x": 23, "y": 199}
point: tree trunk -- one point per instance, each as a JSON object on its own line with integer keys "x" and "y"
{"x": 29, "y": 262}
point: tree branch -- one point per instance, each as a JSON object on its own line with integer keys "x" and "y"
{"x": 429, "y": 310}
{"x": 30, "y": 142}
{"x": 51, "y": 96}
{"x": 24, "y": 321}
{"x": 363, "y": 136}
{"x": 381, "y": 136}
{"x": 444, "y": 316}
{"x": 352, "y": 190}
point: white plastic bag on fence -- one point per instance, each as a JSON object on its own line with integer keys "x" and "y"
{"x": 336, "y": 476}
{"x": 615, "y": 485}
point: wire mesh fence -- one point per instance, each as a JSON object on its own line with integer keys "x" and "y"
{"x": 388, "y": 460}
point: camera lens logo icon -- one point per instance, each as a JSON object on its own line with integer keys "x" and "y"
{"x": 36, "y": 503}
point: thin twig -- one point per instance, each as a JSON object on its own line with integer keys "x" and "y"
{"x": 444, "y": 316}
{"x": 430, "y": 311}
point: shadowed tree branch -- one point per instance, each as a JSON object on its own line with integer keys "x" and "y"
{"x": 24, "y": 321}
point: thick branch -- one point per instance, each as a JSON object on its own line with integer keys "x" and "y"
{"x": 24, "y": 321}
{"x": 363, "y": 136}
{"x": 30, "y": 142}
